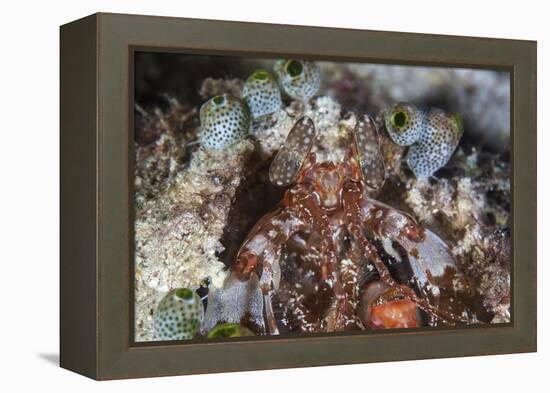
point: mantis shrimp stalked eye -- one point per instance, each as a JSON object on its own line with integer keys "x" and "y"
{"x": 368, "y": 152}
{"x": 289, "y": 160}
{"x": 224, "y": 121}
{"x": 261, "y": 94}
{"x": 300, "y": 80}
{"x": 432, "y": 135}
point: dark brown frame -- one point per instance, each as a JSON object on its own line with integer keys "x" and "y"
{"x": 96, "y": 200}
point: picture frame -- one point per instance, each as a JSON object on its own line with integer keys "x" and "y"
{"x": 96, "y": 143}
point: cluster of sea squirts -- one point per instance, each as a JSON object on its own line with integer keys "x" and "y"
{"x": 431, "y": 134}
{"x": 226, "y": 119}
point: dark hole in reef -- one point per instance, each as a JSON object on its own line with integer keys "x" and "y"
{"x": 255, "y": 197}
{"x": 181, "y": 75}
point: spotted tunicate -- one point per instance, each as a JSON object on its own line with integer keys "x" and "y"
{"x": 179, "y": 315}
{"x": 299, "y": 79}
{"x": 403, "y": 123}
{"x": 261, "y": 94}
{"x": 225, "y": 120}
{"x": 432, "y": 135}
{"x": 229, "y": 330}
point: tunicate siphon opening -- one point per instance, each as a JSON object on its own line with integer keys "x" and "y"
{"x": 294, "y": 68}
{"x": 184, "y": 293}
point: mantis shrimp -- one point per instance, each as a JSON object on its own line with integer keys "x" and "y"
{"x": 330, "y": 258}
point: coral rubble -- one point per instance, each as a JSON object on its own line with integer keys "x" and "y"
{"x": 178, "y": 232}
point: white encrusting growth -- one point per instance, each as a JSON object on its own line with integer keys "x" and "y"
{"x": 178, "y": 233}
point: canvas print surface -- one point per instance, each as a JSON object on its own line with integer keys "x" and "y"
{"x": 290, "y": 197}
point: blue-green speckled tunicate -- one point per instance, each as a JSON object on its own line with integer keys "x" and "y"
{"x": 432, "y": 135}
{"x": 225, "y": 120}
{"x": 300, "y": 80}
{"x": 261, "y": 93}
{"x": 179, "y": 315}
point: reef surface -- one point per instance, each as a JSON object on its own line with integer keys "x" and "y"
{"x": 194, "y": 207}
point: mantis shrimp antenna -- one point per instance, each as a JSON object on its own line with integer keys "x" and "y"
{"x": 291, "y": 156}
{"x": 367, "y": 149}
